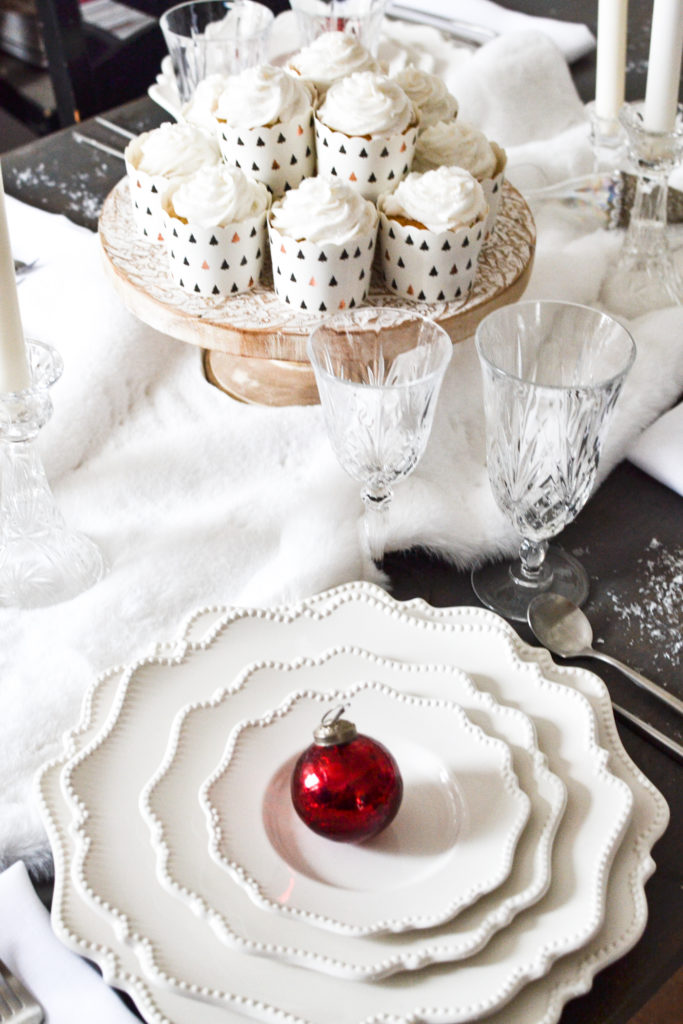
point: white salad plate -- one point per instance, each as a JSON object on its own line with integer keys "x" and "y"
{"x": 171, "y": 806}
{"x": 113, "y": 864}
{"x": 453, "y": 840}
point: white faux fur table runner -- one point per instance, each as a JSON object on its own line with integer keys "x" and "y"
{"x": 196, "y": 499}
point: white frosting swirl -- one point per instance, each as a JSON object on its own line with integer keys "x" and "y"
{"x": 366, "y": 103}
{"x": 200, "y": 109}
{"x": 216, "y": 196}
{"x": 323, "y": 211}
{"x": 456, "y": 143}
{"x": 173, "y": 150}
{"x": 429, "y": 94}
{"x": 444, "y": 199}
{"x": 262, "y": 95}
{"x": 331, "y": 56}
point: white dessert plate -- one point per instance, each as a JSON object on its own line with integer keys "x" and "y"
{"x": 171, "y": 806}
{"x": 91, "y": 933}
{"x": 113, "y": 867}
{"x": 453, "y": 840}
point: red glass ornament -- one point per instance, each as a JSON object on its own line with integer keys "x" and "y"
{"x": 346, "y": 786}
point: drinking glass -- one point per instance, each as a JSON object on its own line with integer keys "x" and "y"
{"x": 206, "y": 37}
{"x": 362, "y": 18}
{"x": 552, "y": 372}
{"x": 379, "y": 372}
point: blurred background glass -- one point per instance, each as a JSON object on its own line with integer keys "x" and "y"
{"x": 205, "y": 37}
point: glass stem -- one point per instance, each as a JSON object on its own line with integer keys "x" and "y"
{"x": 377, "y": 501}
{"x": 532, "y": 570}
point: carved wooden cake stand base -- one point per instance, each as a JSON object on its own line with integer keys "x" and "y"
{"x": 255, "y": 346}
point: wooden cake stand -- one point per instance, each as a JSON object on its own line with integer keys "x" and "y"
{"x": 254, "y": 345}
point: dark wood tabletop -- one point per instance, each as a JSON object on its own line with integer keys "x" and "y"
{"x": 628, "y": 536}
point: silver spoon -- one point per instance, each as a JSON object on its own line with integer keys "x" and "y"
{"x": 564, "y": 629}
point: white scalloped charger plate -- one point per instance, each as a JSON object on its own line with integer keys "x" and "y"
{"x": 90, "y": 933}
{"x": 113, "y": 867}
{"x": 453, "y": 840}
{"x": 194, "y": 878}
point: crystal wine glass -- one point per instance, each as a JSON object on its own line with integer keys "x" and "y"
{"x": 552, "y": 372}
{"x": 378, "y": 371}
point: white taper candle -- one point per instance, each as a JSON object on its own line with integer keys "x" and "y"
{"x": 610, "y": 71}
{"x": 14, "y": 373}
{"x": 664, "y": 66}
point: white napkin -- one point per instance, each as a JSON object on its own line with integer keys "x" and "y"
{"x": 68, "y": 989}
{"x": 573, "y": 39}
{"x": 659, "y": 449}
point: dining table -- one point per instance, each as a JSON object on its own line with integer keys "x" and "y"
{"x": 628, "y": 534}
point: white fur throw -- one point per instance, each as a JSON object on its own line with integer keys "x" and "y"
{"x": 196, "y": 499}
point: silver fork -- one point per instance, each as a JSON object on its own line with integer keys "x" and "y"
{"x": 17, "y": 1005}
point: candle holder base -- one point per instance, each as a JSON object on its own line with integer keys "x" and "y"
{"x": 645, "y": 277}
{"x": 42, "y": 562}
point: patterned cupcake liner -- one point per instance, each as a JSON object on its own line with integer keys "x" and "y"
{"x": 428, "y": 266}
{"x": 371, "y": 166}
{"x": 321, "y": 277}
{"x": 218, "y": 261}
{"x": 146, "y": 194}
{"x": 280, "y": 156}
{"x": 493, "y": 188}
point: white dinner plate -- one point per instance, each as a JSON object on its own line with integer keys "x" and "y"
{"x": 114, "y": 866}
{"x": 92, "y": 934}
{"x": 202, "y": 885}
{"x": 453, "y": 840}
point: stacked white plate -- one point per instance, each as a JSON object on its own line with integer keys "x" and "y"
{"x": 513, "y": 872}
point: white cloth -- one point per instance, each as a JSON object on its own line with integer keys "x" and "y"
{"x": 573, "y": 39}
{"x": 659, "y": 449}
{"x": 196, "y": 499}
{"x": 68, "y": 989}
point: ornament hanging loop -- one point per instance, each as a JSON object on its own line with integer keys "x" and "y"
{"x": 334, "y": 729}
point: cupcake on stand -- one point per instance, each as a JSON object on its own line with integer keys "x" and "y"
{"x": 366, "y": 129}
{"x": 215, "y": 225}
{"x": 322, "y": 243}
{"x": 333, "y": 55}
{"x": 264, "y": 119}
{"x": 431, "y": 231}
{"x": 459, "y": 144}
{"x": 429, "y": 95}
{"x": 158, "y": 159}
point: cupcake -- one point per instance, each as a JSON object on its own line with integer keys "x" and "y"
{"x": 333, "y": 55}
{"x": 430, "y": 96}
{"x": 322, "y": 241}
{"x": 200, "y": 109}
{"x": 431, "y": 230}
{"x": 460, "y": 144}
{"x": 159, "y": 158}
{"x": 365, "y": 131}
{"x": 214, "y": 221}
{"x": 265, "y": 126}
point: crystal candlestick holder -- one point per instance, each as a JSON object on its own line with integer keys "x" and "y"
{"x": 645, "y": 276}
{"x": 41, "y": 561}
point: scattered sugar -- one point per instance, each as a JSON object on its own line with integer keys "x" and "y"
{"x": 655, "y": 617}
{"x": 82, "y": 190}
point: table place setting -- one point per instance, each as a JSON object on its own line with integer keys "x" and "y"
{"x": 263, "y": 787}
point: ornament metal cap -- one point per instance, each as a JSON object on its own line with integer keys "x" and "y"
{"x": 334, "y": 729}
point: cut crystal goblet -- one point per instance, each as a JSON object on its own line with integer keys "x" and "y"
{"x": 379, "y": 372}
{"x": 552, "y": 373}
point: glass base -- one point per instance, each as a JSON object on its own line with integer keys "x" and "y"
{"x": 639, "y": 286}
{"x": 498, "y": 589}
{"x": 47, "y": 567}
